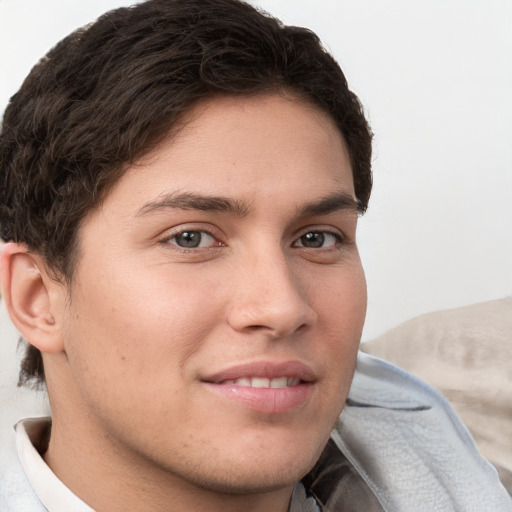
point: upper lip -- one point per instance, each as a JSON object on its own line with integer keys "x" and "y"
{"x": 264, "y": 369}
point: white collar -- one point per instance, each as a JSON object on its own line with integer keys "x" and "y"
{"x": 52, "y": 493}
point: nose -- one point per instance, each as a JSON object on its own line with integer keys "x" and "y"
{"x": 269, "y": 298}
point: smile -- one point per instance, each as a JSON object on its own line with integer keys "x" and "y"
{"x": 264, "y": 387}
{"x": 263, "y": 382}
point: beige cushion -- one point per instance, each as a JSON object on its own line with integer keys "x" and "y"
{"x": 466, "y": 354}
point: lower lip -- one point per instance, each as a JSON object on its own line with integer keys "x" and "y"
{"x": 265, "y": 400}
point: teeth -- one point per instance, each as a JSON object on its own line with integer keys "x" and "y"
{"x": 258, "y": 382}
{"x": 262, "y": 382}
{"x": 281, "y": 382}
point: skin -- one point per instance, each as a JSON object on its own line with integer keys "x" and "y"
{"x": 145, "y": 320}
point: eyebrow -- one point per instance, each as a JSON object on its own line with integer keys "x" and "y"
{"x": 332, "y": 203}
{"x": 192, "y": 201}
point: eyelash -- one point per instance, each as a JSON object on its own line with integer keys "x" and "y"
{"x": 337, "y": 238}
{"x": 167, "y": 240}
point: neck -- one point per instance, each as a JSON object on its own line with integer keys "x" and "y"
{"x": 100, "y": 474}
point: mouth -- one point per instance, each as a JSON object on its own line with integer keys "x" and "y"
{"x": 263, "y": 382}
{"x": 264, "y": 387}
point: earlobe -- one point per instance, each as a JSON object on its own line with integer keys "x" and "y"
{"x": 25, "y": 289}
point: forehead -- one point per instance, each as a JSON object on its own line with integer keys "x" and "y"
{"x": 247, "y": 148}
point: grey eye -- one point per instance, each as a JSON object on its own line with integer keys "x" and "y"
{"x": 318, "y": 240}
{"x": 191, "y": 239}
{"x": 314, "y": 240}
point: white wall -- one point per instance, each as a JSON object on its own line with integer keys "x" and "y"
{"x": 436, "y": 80}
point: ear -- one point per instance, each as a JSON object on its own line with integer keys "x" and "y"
{"x": 32, "y": 297}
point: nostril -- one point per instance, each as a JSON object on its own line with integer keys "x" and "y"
{"x": 274, "y": 331}
{"x": 285, "y": 315}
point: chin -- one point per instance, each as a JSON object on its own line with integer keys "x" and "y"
{"x": 267, "y": 471}
{"x": 254, "y": 481}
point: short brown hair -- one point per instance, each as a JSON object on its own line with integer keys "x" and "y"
{"x": 109, "y": 92}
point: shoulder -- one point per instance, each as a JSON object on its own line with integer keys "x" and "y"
{"x": 410, "y": 446}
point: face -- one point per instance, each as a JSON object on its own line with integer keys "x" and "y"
{"x": 218, "y": 299}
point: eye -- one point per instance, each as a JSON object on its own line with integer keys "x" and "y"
{"x": 193, "y": 239}
{"x": 318, "y": 240}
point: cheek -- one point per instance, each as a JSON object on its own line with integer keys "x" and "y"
{"x": 341, "y": 302}
{"x": 342, "y": 310}
{"x": 139, "y": 323}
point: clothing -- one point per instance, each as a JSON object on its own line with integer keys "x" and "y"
{"x": 397, "y": 447}
{"x": 465, "y": 354}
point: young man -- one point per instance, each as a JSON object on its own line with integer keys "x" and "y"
{"x": 180, "y": 188}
